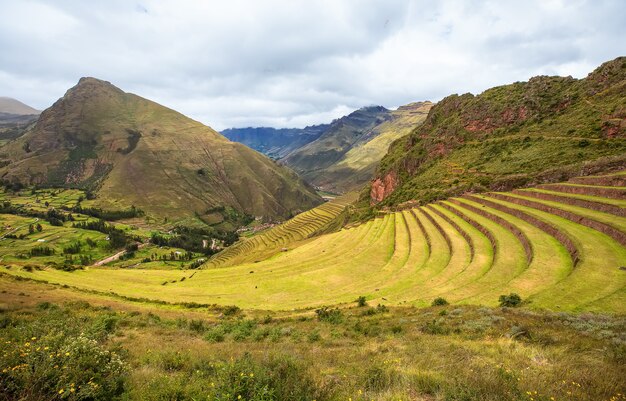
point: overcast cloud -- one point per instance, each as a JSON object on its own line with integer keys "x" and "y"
{"x": 292, "y": 63}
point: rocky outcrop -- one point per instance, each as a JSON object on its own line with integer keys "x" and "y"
{"x": 381, "y": 188}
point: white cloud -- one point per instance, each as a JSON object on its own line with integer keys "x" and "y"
{"x": 293, "y": 63}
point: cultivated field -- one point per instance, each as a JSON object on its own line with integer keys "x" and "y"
{"x": 277, "y": 239}
{"x": 560, "y": 246}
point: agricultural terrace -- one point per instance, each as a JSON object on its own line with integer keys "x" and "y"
{"x": 560, "y": 246}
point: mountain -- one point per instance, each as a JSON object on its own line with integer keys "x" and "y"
{"x": 357, "y": 165}
{"x": 11, "y": 106}
{"x": 276, "y": 143}
{"x": 15, "y": 118}
{"x": 132, "y": 151}
{"x": 543, "y": 130}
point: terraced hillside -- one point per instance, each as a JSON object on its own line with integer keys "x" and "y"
{"x": 560, "y": 246}
{"x": 277, "y": 239}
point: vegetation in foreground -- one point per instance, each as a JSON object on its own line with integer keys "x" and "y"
{"x": 59, "y": 344}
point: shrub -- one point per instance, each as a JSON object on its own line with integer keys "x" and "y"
{"x": 314, "y": 336}
{"x": 230, "y": 310}
{"x": 197, "y": 326}
{"x": 378, "y": 379}
{"x": 382, "y": 308}
{"x": 80, "y": 366}
{"x": 326, "y": 314}
{"x": 440, "y": 302}
{"x": 512, "y": 300}
{"x": 72, "y": 249}
{"x": 41, "y": 251}
{"x": 435, "y": 327}
{"x": 361, "y": 301}
{"x": 215, "y": 334}
{"x": 278, "y": 378}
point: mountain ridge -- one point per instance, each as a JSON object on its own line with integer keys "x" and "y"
{"x": 345, "y": 156}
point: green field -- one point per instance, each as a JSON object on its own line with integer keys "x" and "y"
{"x": 470, "y": 250}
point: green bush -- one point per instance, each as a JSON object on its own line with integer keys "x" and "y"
{"x": 440, "y": 302}
{"x": 361, "y": 301}
{"x": 230, "y": 310}
{"x": 215, "y": 334}
{"x": 278, "y": 378}
{"x": 58, "y": 356}
{"x": 512, "y": 300}
{"x": 61, "y": 366}
{"x": 326, "y": 314}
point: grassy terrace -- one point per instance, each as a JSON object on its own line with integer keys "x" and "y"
{"x": 469, "y": 250}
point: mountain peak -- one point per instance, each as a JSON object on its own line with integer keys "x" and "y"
{"x": 91, "y": 83}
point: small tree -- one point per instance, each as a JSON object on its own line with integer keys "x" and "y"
{"x": 31, "y": 229}
{"x": 39, "y": 227}
{"x": 439, "y": 302}
{"x": 512, "y": 300}
{"x": 361, "y": 302}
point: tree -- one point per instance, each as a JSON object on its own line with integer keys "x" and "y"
{"x": 39, "y": 227}
{"x": 439, "y": 302}
{"x": 511, "y": 300}
{"x": 31, "y": 229}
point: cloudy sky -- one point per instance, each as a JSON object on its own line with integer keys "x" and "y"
{"x": 292, "y": 63}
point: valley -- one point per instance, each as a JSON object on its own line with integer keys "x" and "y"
{"x": 469, "y": 249}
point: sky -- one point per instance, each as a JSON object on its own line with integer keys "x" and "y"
{"x": 292, "y": 63}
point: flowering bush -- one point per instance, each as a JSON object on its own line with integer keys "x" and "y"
{"x": 56, "y": 363}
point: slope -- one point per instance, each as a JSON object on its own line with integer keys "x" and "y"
{"x": 357, "y": 166}
{"x": 132, "y": 151}
{"x": 526, "y": 133}
{"x": 311, "y": 160}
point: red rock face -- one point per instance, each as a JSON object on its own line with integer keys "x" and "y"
{"x": 383, "y": 188}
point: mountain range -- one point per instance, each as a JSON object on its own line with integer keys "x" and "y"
{"x": 341, "y": 156}
{"x": 129, "y": 150}
{"x": 275, "y": 142}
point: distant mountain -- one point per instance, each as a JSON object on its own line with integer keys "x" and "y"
{"x": 345, "y": 156}
{"x": 276, "y": 143}
{"x": 525, "y": 133}
{"x": 132, "y": 151}
{"x": 11, "y": 106}
{"x": 15, "y": 118}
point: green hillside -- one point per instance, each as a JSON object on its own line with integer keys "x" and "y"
{"x": 131, "y": 151}
{"x": 526, "y": 133}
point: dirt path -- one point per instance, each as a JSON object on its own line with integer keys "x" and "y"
{"x": 114, "y": 257}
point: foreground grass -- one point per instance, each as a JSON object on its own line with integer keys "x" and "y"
{"x": 135, "y": 351}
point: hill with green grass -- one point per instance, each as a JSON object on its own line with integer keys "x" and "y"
{"x": 345, "y": 156}
{"x": 128, "y": 150}
{"x": 545, "y": 130}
